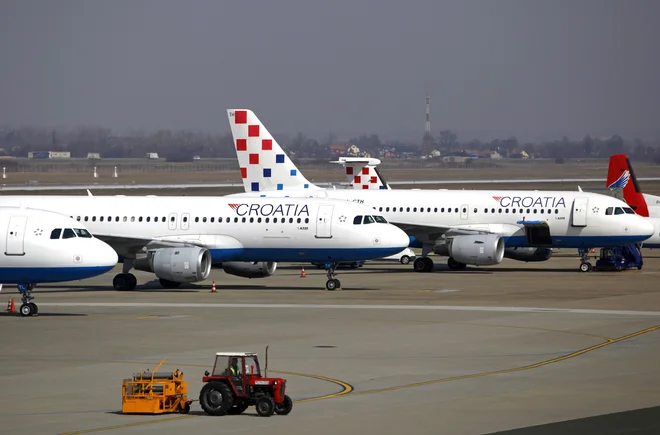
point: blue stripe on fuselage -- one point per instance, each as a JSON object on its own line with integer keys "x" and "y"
{"x": 578, "y": 241}
{"x": 300, "y": 254}
{"x": 35, "y": 275}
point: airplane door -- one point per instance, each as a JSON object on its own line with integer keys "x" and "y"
{"x": 185, "y": 221}
{"x": 171, "y": 221}
{"x": 324, "y": 222}
{"x": 580, "y": 212}
{"x": 464, "y": 211}
{"x": 16, "y": 235}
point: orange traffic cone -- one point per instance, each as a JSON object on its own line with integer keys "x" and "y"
{"x": 213, "y": 287}
{"x": 10, "y": 305}
{"x": 302, "y": 274}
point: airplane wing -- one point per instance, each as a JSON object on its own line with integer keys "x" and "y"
{"x": 131, "y": 245}
{"x": 430, "y": 233}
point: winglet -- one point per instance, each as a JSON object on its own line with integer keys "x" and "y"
{"x": 264, "y": 164}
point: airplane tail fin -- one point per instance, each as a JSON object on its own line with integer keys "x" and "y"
{"x": 362, "y": 173}
{"x": 264, "y": 164}
{"x": 620, "y": 175}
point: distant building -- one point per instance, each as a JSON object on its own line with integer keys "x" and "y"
{"x": 49, "y": 155}
{"x": 93, "y": 155}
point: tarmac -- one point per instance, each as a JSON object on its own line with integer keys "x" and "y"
{"x": 523, "y": 347}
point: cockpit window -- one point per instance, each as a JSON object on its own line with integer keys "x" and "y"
{"x": 609, "y": 211}
{"x": 618, "y": 210}
{"x": 55, "y": 234}
{"x": 628, "y": 210}
{"x": 380, "y": 219}
{"x": 357, "y": 220}
{"x": 368, "y": 220}
{"x": 81, "y": 232}
{"x": 68, "y": 234}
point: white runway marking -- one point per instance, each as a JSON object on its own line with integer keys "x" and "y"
{"x": 353, "y": 307}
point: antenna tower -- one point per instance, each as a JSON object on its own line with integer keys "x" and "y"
{"x": 428, "y": 113}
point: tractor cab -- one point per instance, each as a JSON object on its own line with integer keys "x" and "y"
{"x": 238, "y": 368}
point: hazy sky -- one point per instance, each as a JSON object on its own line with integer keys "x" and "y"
{"x": 493, "y": 67}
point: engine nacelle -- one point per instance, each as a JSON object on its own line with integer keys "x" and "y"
{"x": 244, "y": 269}
{"x": 528, "y": 254}
{"x": 477, "y": 249}
{"x": 177, "y": 264}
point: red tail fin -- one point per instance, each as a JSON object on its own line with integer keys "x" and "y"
{"x": 620, "y": 175}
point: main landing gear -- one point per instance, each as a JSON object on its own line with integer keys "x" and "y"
{"x": 27, "y": 308}
{"x": 125, "y": 280}
{"x": 332, "y": 283}
{"x": 425, "y": 264}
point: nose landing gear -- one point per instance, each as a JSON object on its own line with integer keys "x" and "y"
{"x": 27, "y": 308}
{"x": 332, "y": 283}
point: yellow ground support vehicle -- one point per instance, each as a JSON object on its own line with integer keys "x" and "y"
{"x": 151, "y": 393}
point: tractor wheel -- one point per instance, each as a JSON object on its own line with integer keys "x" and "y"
{"x": 238, "y": 409}
{"x": 285, "y": 407}
{"x": 216, "y": 398}
{"x": 185, "y": 408}
{"x": 265, "y": 406}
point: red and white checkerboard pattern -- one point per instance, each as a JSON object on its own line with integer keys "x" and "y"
{"x": 362, "y": 176}
{"x": 264, "y": 164}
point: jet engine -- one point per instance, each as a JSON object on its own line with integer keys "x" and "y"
{"x": 528, "y": 254}
{"x": 177, "y": 264}
{"x": 255, "y": 269}
{"x": 477, "y": 249}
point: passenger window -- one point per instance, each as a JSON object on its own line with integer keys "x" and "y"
{"x": 357, "y": 220}
{"x": 556, "y": 211}
{"x": 213, "y": 219}
{"x": 68, "y": 234}
{"x": 55, "y": 234}
{"x": 506, "y": 210}
{"x": 435, "y": 210}
{"x": 251, "y": 220}
{"x": 101, "y": 218}
{"x": 235, "y": 220}
{"x": 475, "y": 209}
{"x": 380, "y": 208}
{"x": 132, "y": 218}
{"x": 408, "y": 209}
{"x": 140, "y": 219}
{"x": 306, "y": 220}
{"x": 387, "y": 209}
{"x": 219, "y": 220}
{"x": 290, "y": 220}
{"x": 485, "y": 210}
{"x": 203, "y": 219}
{"x": 275, "y": 220}
{"x": 148, "y": 218}
{"x": 267, "y": 220}
{"x": 243, "y": 220}
{"x": 86, "y": 218}
{"x": 80, "y": 232}
{"x": 298, "y": 220}
{"x": 368, "y": 220}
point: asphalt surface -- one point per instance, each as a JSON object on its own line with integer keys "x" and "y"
{"x": 519, "y": 347}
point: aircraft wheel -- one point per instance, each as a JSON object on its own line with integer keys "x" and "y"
{"x": 26, "y": 310}
{"x": 420, "y": 265}
{"x": 332, "y": 284}
{"x": 35, "y": 308}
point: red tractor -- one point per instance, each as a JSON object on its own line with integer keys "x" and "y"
{"x": 236, "y": 383}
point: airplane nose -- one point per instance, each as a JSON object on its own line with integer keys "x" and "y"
{"x": 399, "y": 239}
{"x": 646, "y": 227}
{"x": 104, "y": 255}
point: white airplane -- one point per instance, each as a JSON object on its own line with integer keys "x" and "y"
{"x": 470, "y": 227}
{"x": 180, "y": 238}
{"x": 620, "y": 175}
{"x": 44, "y": 247}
